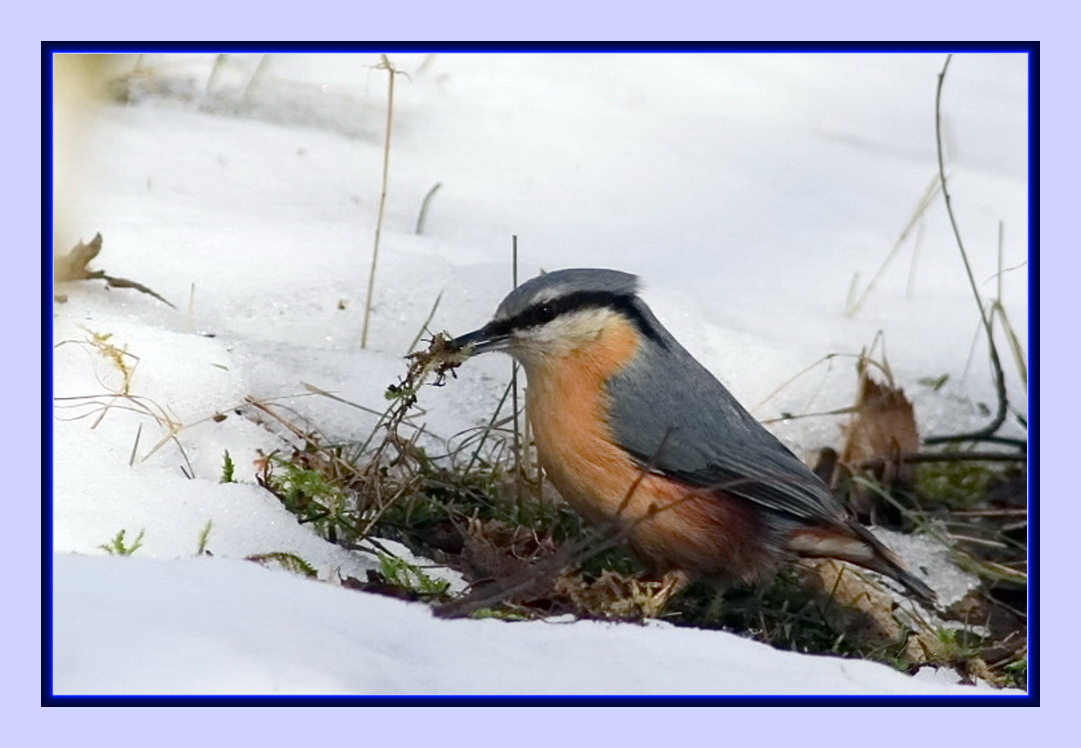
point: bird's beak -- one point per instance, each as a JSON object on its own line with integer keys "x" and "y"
{"x": 487, "y": 338}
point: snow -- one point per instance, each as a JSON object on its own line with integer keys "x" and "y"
{"x": 230, "y": 627}
{"x": 746, "y": 190}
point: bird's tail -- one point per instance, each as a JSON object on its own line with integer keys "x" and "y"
{"x": 860, "y": 547}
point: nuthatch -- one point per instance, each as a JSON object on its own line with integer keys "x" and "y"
{"x": 637, "y": 435}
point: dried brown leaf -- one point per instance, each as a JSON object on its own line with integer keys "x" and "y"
{"x": 882, "y": 430}
{"x": 75, "y": 266}
{"x": 883, "y": 427}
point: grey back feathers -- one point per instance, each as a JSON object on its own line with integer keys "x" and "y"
{"x": 672, "y": 414}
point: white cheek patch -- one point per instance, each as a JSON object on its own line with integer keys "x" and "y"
{"x": 565, "y": 333}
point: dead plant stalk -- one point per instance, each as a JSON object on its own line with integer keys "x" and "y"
{"x": 385, "y": 64}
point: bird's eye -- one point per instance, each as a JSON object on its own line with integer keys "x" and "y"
{"x": 539, "y": 314}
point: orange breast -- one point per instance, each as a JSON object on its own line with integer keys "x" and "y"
{"x": 666, "y": 523}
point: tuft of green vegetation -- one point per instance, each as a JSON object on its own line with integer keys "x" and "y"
{"x": 499, "y": 613}
{"x": 935, "y": 383}
{"x": 305, "y": 488}
{"x": 288, "y": 561}
{"x": 400, "y": 573}
{"x": 228, "y": 469}
{"x": 204, "y": 538}
{"x": 118, "y": 545}
{"x": 1016, "y": 673}
{"x": 958, "y": 485}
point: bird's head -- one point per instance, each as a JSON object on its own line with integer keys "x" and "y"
{"x": 560, "y": 312}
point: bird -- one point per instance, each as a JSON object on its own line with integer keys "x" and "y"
{"x": 643, "y": 441}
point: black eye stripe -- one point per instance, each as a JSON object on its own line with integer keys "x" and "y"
{"x": 545, "y": 312}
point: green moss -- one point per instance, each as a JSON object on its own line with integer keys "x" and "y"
{"x": 958, "y": 485}
{"x": 118, "y": 545}
{"x": 288, "y": 561}
{"x": 400, "y": 573}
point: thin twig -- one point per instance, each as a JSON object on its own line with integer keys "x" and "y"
{"x": 135, "y": 446}
{"x": 189, "y": 321}
{"x": 996, "y": 365}
{"x": 427, "y": 321}
{"x": 424, "y": 205}
{"x": 827, "y": 358}
{"x": 325, "y": 393}
{"x": 488, "y": 429}
{"x": 514, "y": 392}
{"x": 924, "y": 457}
{"x": 991, "y": 513}
{"x": 910, "y": 287}
{"x": 913, "y": 221}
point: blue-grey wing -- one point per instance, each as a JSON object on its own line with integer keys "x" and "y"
{"x": 673, "y": 415}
